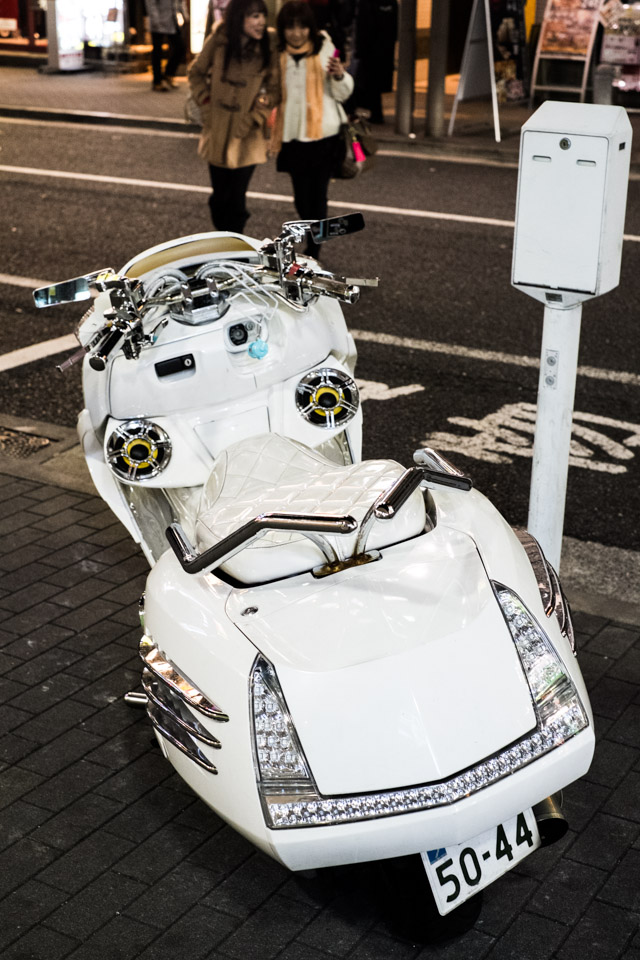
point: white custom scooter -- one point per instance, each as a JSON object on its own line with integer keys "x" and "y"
{"x": 348, "y": 661}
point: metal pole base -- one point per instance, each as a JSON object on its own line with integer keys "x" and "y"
{"x": 556, "y": 391}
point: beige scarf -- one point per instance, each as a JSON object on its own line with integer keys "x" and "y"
{"x": 314, "y": 92}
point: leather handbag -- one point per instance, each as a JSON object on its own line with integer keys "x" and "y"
{"x": 359, "y": 148}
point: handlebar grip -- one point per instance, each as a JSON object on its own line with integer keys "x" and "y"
{"x": 99, "y": 360}
{"x": 347, "y": 292}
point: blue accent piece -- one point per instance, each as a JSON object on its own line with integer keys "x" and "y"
{"x": 435, "y": 855}
{"x": 258, "y": 349}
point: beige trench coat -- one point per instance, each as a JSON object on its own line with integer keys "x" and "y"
{"x": 234, "y": 121}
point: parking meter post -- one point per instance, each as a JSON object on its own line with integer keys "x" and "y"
{"x": 570, "y": 209}
{"x": 552, "y": 440}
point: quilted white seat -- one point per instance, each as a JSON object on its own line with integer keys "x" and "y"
{"x": 272, "y": 474}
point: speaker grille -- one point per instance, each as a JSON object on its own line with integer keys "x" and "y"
{"x": 138, "y": 450}
{"x": 327, "y": 398}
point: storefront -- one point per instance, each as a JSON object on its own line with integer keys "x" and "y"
{"x": 94, "y": 23}
{"x": 79, "y": 23}
{"x": 23, "y": 25}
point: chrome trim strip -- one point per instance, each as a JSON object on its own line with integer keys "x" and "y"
{"x": 192, "y": 726}
{"x": 540, "y": 568}
{"x": 163, "y": 723}
{"x": 194, "y": 562}
{"x": 563, "y": 611}
{"x": 166, "y": 671}
{"x": 551, "y": 592}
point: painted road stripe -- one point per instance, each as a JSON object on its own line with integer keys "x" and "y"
{"x": 273, "y": 197}
{"x": 50, "y": 347}
{"x": 47, "y": 348}
{"x": 29, "y": 282}
{"x": 409, "y": 153}
{"x": 255, "y": 195}
{"x": 488, "y": 356}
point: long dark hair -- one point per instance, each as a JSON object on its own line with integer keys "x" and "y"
{"x": 298, "y": 11}
{"x": 234, "y": 16}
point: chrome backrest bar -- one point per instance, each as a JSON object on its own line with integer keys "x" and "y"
{"x": 399, "y": 492}
{"x": 395, "y": 496}
{"x": 437, "y": 469}
{"x": 434, "y": 470}
{"x": 193, "y": 562}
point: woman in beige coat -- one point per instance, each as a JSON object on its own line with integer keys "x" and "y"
{"x": 235, "y": 81}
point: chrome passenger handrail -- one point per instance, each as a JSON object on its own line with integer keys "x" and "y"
{"x": 192, "y": 561}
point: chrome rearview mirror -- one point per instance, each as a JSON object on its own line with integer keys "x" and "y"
{"x": 70, "y": 291}
{"x": 66, "y": 292}
{"x": 322, "y": 230}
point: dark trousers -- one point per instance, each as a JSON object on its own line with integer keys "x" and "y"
{"x": 176, "y": 53}
{"x": 310, "y": 190}
{"x": 310, "y": 164}
{"x": 228, "y": 200}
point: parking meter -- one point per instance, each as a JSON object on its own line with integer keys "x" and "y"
{"x": 570, "y": 209}
{"x": 572, "y": 194}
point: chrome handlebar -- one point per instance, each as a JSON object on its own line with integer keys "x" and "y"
{"x": 295, "y": 283}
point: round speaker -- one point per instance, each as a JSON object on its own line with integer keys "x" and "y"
{"x": 327, "y": 398}
{"x": 138, "y": 450}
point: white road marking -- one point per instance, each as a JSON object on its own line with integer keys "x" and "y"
{"x": 492, "y": 356}
{"x": 103, "y": 128}
{"x": 37, "y": 351}
{"x": 369, "y": 336}
{"x": 373, "y": 390}
{"x": 510, "y": 430}
{"x": 29, "y": 282}
{"x": 409, "y": 153}
{"x": 272, "y": 197}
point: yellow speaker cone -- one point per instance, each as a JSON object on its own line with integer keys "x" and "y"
{"x": 320, "y": 398}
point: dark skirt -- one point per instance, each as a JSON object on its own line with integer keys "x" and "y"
{"x": 321, "y": 156}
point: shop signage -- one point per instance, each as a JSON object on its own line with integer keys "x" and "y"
{"x": 8, "y": 15}
{"x": 568, "y": 28}
{"x": 622, "y": 50}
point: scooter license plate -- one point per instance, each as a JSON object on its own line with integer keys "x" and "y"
{"x": 458, "y": 872}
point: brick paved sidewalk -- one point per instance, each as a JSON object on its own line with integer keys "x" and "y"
{"x": 106, "y": 854}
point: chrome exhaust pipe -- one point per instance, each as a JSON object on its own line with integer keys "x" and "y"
{"x": 551, "y": 824}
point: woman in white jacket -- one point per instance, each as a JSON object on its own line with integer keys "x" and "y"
{"x": 307, "y": 125}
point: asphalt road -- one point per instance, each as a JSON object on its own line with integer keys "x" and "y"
{"x": 444, "y": 301}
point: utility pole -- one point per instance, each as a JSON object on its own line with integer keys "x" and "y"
{"x": 406, "y": 67}
{"x": 438, "y": 50}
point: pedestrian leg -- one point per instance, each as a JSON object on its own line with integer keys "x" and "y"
{"x": 227, "y": 203}
{"x": 310, "y": 198}
{"x": 156, "y": 62}
{"x": 176, "y": 55}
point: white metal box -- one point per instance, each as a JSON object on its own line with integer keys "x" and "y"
{"x": 572, "y": 192}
